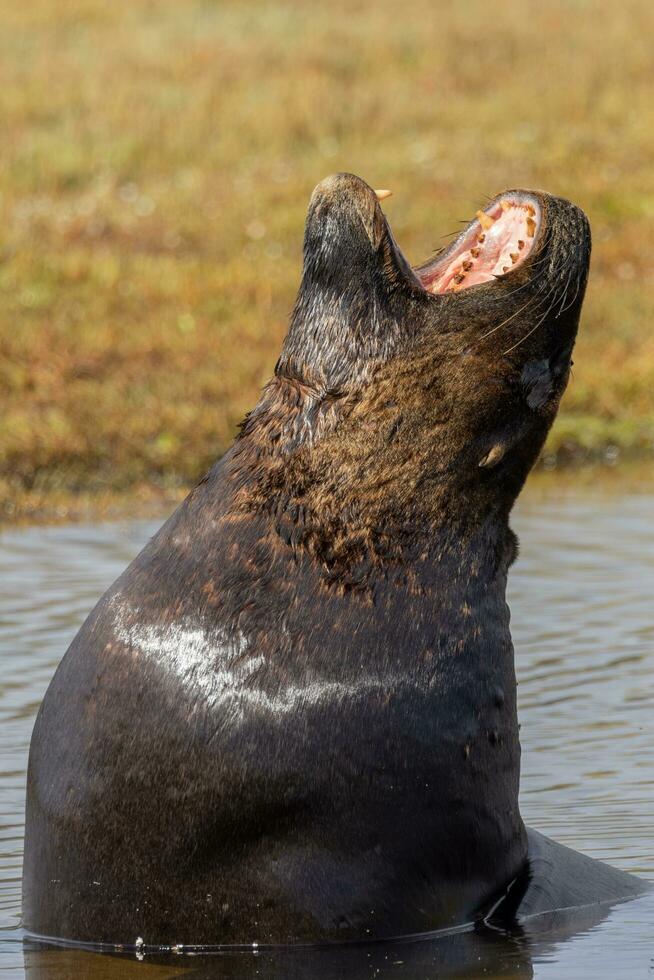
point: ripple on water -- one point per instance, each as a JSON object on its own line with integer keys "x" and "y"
{"x": 583, "y": 629}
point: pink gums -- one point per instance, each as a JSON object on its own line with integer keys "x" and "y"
{"x": 487, "y": 250}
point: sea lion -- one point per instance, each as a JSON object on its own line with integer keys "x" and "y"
{"x": 293, "y": 718}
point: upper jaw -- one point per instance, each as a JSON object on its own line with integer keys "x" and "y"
{"x": 500, "y": 240}
{"x": 523, "y": 284}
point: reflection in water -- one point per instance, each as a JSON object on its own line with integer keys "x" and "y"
{"x": 583, "y": 627}
{"x": 562, "y": 945}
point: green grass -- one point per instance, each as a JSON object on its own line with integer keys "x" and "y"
{"x": 157, "y": 161}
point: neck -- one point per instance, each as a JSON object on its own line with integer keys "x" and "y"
{"x": 359, "y": 511}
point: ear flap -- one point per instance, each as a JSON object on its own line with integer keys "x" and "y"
{"x": 538, "y": 382}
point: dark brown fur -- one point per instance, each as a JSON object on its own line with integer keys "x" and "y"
{"x": 293, "y": 717}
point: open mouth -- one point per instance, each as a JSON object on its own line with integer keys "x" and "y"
{"x": 496, "y": 243}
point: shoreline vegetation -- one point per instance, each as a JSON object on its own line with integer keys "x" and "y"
{"x": 157, "y": 163}
{"x": 607, "y": 477}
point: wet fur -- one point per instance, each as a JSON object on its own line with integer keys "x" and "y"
{"x": 293, "y": 717}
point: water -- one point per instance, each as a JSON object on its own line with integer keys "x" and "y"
{"x": 583, "y": 627}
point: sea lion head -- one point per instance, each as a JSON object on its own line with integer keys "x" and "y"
{"x": 459, "y": 363}
{"x": 416, "y": 398}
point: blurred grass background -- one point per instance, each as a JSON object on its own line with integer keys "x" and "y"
{"x": 156, "y": 164}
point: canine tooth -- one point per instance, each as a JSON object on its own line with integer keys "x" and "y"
{"x": 475, "y": 252}
{"x": 485, "y": 220}
{"x": 514, "y": 256}
{"x": 531, "y": 227}
{"x": 383, "y": 193}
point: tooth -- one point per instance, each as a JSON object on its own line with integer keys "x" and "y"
{"x": 531, "y": 227}
{"x": 383, "y": 194}
{"x": 481, "y": 239}
{"x": 521, "y": 244}
{"x": 505, "y": 268}
{"x": 466, "y": 266}
{"x": 459, "y": 277}
{"x": 475, "y": 252}
{"x": 485, "y": 220}
{"x": 514, "y": 256}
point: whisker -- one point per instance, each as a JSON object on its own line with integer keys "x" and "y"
{"x": 499, "y": 326}
{"x": 527, "y": 335}
{"x": 554, "y": 272}
{"x": 565, "y": 294}
{"x": 538, "y": 300}
{"x": 530, "y": 282}
{"x": 576, "y": 293}
{"x": 534, "y": 328}
{"x": 534, "y": 301}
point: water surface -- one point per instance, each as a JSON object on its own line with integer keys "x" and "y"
{"x": 583, "y": 628}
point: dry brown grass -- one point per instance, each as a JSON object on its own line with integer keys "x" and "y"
{"x": 156, "y": 164}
